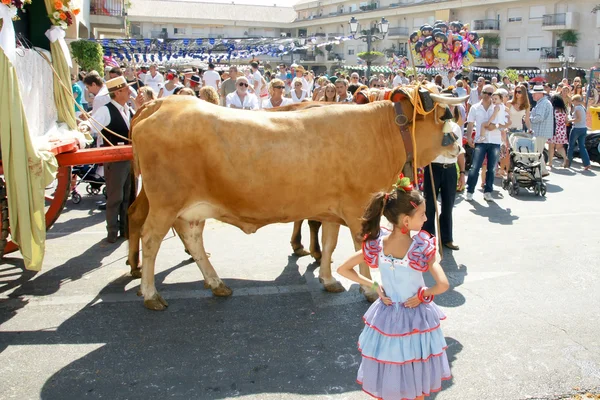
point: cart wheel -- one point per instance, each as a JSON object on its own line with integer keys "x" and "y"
{"x": 89, "y": 189}
{"x": 75, "y": 198}
{"x": 543, "y": 190}
{"x": 54, "y": 206}
{"x": 104, "y": 191}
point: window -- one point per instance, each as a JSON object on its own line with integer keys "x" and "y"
{"x": 352, "y": 8}
{"x": 514, "y": 15}
{"x": 179, "y": 31}
{"x": 513, "y": 44}
{"x": 537, "y": 12}
{"x": 534, "y": 43}
{"x": 350, "y": 52}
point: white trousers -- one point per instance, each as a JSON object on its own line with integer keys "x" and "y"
{"x": 540, "y": 145}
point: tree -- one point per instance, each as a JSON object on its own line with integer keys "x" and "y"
{"x": 513, "y": 74}
{"x": 569, "y": 37}
{"x": 88, "y": 55}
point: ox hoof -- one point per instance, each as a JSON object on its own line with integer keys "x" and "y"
{"x": 136, "y": 273}
{"x": 334, "y": 287}
{"x": 222, "y": 290}
{"x": 301, "y": 252}
{"x": 206, "y": 285}
{"x": 156, "y": 303}
{"x": 369, "y": 294}
{"x": 317, "y": 256}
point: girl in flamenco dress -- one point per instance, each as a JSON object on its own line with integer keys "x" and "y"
{"x": 402, "y": 346}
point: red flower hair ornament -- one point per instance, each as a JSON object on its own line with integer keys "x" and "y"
{"x": 403, "y": 183}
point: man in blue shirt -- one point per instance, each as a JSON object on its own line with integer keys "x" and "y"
{"x": 542, "y": 121}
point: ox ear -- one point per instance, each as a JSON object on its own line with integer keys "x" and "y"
{"x": 361, "y": 97}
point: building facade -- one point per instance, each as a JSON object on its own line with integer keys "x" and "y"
{"x": 521, "y": 34}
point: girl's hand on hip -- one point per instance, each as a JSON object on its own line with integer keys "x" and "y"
{"x": 386, "y": 300}
{"x": 412, "y": 302}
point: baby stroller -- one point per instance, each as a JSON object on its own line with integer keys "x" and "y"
{"x": 525, "y": 170}
{"x": 87, "y": 174}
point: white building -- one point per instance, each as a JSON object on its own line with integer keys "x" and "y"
{"x": 527, "y": 31}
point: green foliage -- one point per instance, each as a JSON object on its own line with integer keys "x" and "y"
{"x": 491, "y": 40}
{"x": 570, "y": 37}
{"x": 370, "y": 56}
{"x": 512, "y": 74}
{"x": 596, "y": 9}
{"x": 88, "y": 55}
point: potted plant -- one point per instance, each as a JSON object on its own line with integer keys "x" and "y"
{"x": 88, "y": 55}
{"x": 569, "y": 37}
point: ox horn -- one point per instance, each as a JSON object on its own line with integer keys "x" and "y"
{"x": 449, "y": 100}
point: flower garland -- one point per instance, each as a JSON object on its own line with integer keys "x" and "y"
{"x": 15, "y": 5}
{"x": 64, "y": 13}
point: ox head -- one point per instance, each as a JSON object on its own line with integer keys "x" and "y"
{"x": 433, "y": 133}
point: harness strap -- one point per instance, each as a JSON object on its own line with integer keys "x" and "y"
{"x": 402, "y": 121}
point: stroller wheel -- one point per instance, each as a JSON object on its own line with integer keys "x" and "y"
{"x": 75, "y": 198}
{"x": 543, "y": 191}
{"x": 505, "y": 183}
{"x": 104, "y": 191}
{"x": 88, "y": 189}
{"x": 95, "y": 191}
{"x": 537, "y": 190}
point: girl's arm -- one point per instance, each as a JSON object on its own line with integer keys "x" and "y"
{"x": 441, "y": 284}
{"x": 527, "y": 119}
{"x": 578, "y": 117}
{"x": 347, "y": 270}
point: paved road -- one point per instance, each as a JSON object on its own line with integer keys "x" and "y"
{"x": 523, "y": 319}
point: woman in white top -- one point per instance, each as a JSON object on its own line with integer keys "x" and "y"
{"x": 171, "y": 84}
{"x": 276, "y": 90}
{"x": 298, "y": 94}
{"x": 518, "y": 109}
{"x": 241, "y": 98}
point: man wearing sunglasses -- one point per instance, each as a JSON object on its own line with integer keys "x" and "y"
{"x": 489, "y": 145}
{"x": 241, "y": 98}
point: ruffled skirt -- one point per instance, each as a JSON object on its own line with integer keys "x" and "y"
{"x": 403, "y": 351}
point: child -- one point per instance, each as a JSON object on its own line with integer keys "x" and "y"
{"x": 402, "y": 345}
{"x": 498, "y": 117}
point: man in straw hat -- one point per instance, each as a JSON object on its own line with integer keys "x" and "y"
{"x": 115, "y": 117}
{"x": 542, "y": 121}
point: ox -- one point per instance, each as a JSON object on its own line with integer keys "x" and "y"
{"x": 252, "y": 169}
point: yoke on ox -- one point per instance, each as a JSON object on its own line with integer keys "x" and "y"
{"x": 252, "y": 169}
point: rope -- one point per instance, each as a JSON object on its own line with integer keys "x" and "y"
{"x": 69, "y": 92}
{"x": 437, "y": 210}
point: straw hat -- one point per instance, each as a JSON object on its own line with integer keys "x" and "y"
{"x": 116, "y": 84}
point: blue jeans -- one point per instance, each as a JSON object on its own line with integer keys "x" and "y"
{"x": 578, "y": 135}
{"x": 493, "y": 154}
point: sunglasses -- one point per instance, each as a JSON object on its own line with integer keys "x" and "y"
{"x": 488, "y": 93}
{"x": 243, "y": 84}
{"x": 518, "y": 91}
{"x": 377, "y": 85}
{"x": 278, "y": 87}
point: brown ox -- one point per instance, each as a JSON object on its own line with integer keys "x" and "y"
{"x": 252, "y": 169}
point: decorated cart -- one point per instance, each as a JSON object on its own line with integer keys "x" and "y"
{"x": 40, "y": 142}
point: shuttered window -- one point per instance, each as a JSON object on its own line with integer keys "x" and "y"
{"x": 513, "y": 44}
{"x": 537, "y": 12}
{"x": 534, "y": 43}
{"x": 515, "y": 14}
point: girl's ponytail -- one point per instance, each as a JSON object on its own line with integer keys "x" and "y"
{"x": 371, "y": 219}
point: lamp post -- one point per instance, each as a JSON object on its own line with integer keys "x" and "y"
{"x": 369, "y": 35}
{"x": 301, "y": 42}
{"x": 566, "y": 61}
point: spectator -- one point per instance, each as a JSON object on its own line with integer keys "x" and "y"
{"x": 298, "y": 93}
{"x": 276, "y": 92}
{"x": 341, "y": 86}
{"x": 212, "y": 77}
{"x": 154, "y": 79}
{"x": 559, "y": 138}
{"x": 209, "y": 94}
{"x": 578, "y": 133}
{"x": 241, "y": 98}
{"x": 228, "y": 86}
{"x": 542, "y": 121}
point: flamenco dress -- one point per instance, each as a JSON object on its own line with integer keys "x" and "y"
{"x": 403, "y": 349}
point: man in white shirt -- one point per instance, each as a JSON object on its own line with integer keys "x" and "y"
{"x": 115, "y": 117}
{"x": 443, "y": 170}
{"x": 212, "y": 77}
{"x": 400, "y": 79}
{"x": 479, "y": 114}
{"x": 154, "y": 79}
{"x": 95, "y": 85}
{"x": 475, "y": 96}
{"x": 449, "y": 80}
{"x": 241, "y": 98}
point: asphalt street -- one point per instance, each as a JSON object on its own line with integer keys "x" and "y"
{"x": 523, "y": 310}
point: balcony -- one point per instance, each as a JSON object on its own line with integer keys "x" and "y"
{"x": 107, "y": 14}
{"x": 334, "y": 35}
{"x": 488, "y": 54}
{"x": 550, "y": 54}
{"x": 559, "y": 22}
{"x": 483, "y": 26}
{"x": 398, "y": 31}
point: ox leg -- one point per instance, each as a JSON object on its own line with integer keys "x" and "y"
{"x": 190, "y": 233}
{"x": 330, "y": 236}
{"x": 296, "y": 241}
{"x": 315, "y": 248}
{"x": 355, "y": 229}
{"x": 137, "y": 213}
{"x": 153, "y": 232}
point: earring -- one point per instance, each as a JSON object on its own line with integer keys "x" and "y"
{"x": 404, "y": 230}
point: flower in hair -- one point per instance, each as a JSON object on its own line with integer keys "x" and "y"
{"x": 403, "y": 183}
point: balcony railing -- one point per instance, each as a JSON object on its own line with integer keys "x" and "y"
{"x": 491, "y": 53}
{"x": 554, "y": 19}
{"x": 308, "y": 57}
{"x": 111, "y": 8}
{"x": 398, "y": 31}
{"x": 335, "y": 34}
{"x": 486, "y": 24}
{"x": 551, "y": 52}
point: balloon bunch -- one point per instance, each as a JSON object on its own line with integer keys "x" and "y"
{"x": 397, "y": 62}
{"x": 445, "y": 45}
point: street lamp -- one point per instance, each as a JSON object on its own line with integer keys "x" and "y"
{"x": 566, "y": 61}
{"x": 301, "y": 42}
{"x": 368, "y": 35}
